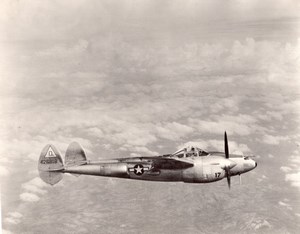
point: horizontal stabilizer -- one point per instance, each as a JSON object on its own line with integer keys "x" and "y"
{"x": 76, "y": 175}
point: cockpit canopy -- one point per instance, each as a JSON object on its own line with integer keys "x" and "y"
{"x": 190, "y": 151}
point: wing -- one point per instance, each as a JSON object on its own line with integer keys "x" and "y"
{"x": 170, "y": 163}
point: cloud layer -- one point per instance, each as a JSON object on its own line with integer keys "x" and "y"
{"x": 144, "y": 77}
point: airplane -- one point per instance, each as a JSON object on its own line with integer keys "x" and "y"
{"x": 189, "y": 165}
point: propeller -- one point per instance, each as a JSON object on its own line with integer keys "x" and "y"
{"x": 226, "y": 145}
{"x": 227, "y": 169}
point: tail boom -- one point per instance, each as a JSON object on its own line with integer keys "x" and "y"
{"x": 102, "y": 169}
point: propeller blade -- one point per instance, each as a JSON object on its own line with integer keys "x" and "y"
{"x": 227, "y": 169}
{"x": 228, "y": 178}
{"x": 226, "y": 145}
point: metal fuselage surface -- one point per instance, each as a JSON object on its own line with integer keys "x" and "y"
{"x": 196, "y": 169}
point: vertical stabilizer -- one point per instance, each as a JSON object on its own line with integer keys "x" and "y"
{"x": 50, "y": 165}
{"x": 75, "y": 155}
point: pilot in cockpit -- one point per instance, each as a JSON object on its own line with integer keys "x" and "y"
{"x": 190, "y": 151}
{"x": 193, "y": 152}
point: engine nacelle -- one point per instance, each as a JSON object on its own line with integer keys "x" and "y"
{"x": 211, "y": 173}
{"x": 203, "y": 173}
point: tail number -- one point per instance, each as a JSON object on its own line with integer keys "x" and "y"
{"x": 49, "y": 161}
{"x": 217, "y": 175}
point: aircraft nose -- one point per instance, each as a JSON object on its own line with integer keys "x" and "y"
{"x": 250, "y": 164}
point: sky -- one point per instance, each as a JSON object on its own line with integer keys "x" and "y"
{"x": 145, "y": 77}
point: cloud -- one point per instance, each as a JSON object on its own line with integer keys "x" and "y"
{"x": 28, "y": 147}
{"x": 257, "y": 224}
{"x": 285, "y": 169}
{"x": 263, "y": 177}
{"x": 215, "y": 126}
{"x": 288, "y": 206}
{"x": 30, "y": 191}
{"x": 4, "y": 171}
{"x": 144, "y": 150}
{"x": 13, "y": 218}
{"x": 273, "y": 140}
{"x": 6, "y": 232}
{"x": 28, "y": 21}
{"x": 144, "y": 109}
{"x": 16, "y": 215}
{"x": 33, "y": 189}
{"x": 64, "y": 52}
{"x": 139, "y": 150}
{"x": 134, "y": 136}
{"x": 293, "y": 178}
{"x": 240, "y": 124}
{"x": 218, "y": 145}
{"x": 94, "y": 131}
{"x": 233, "y": 146}
{"x": 29, "y": 197}
{"x": 269, "y": 115}
{"x": 295, "y": 159}
{"x": 5, "y": 160}
{"x": 173, "y": 131}
{"x": 146, "y": 77}
{"x": 292, "y": 171}
{"x": 35, "y": 186}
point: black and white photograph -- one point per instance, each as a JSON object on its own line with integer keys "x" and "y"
{"x": 149, "y": 116}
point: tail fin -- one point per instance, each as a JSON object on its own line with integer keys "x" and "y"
{"x": 75, "y": 155}
{"x": 50, "y": 165}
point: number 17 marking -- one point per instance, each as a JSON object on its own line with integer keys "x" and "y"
{"x": 217, "y": 174}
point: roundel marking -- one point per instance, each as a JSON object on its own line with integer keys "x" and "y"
{"x": 138, "y": 169}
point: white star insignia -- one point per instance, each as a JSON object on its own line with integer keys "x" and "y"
{"x": 139, "y": 170}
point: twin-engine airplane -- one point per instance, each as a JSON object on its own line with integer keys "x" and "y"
{"x": 189, "y": 165}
